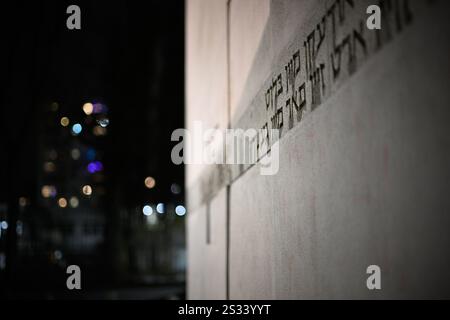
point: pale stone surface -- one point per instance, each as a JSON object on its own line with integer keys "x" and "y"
{"x": 206, "y": 69}
{"x": 206, "y": 102}
{"x": 364, "y": 173}
{"x": 248, "y": 20}
{"x": 363, "y": 180}
{"x": 207, "y": 253}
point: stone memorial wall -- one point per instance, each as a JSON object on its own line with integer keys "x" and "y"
{"x": 363, "y": 148}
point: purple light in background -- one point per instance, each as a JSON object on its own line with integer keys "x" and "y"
{"x": 91, "y": 167}
{"x": 99, "y": 108}
{"x": 94, "y": 167}
{"x": 99, "y": 165}
{"x": 53, "y": 192}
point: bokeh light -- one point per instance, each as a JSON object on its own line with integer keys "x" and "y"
{"x": 175, "y": 188}
{"x": 99, "y": 108}
{"x": 75, "y": 153}
{"x": 99, "y": 131}
{"x": 180, "y": 210}
{"x": 150, "y": 182}
{"x": 103, "y": 122}
{"x": 88, "y": 108}
{"x": 49, "y": 166}
{"x": 94, "y": 167}
{"x": 48, "y": 191}
{"x": 90, "y": 154}
{"x": 62, "y": 202}
{"x": 77, "y": 128}
{"x": 74, "y": 202}
{"x": 57, "y": 255}
{"x": 87, "y": 190}
{"x": 160, "y": 208}
{"x": 147, "y": 210}
{"x": 65, "y": 121}
{"x": 23, "y": 202}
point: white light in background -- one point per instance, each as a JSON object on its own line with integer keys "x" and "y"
{"x": 65, "y": 121}
{"x": 75, "y": 153}
{"x": 147, "y": 210}
{"x": 87, "y": 190}
{"x": 160, "y": 208}
{"x": 74, "y": 202}
{"x": 103, "y": 122}
{"x": 180, "y": 210}
{"x": 152, "y": 220}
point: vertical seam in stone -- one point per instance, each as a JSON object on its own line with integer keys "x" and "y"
{"x": 227, "y": 275}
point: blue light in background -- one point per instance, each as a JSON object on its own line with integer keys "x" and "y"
{"x": 4, "y": 225}
{"x": 77, "y": 128}
{"x": 90, "y": 154}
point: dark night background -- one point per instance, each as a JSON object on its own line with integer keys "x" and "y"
{"x": 128, "y": 62}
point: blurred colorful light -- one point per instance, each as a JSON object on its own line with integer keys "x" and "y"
{"x": 77, "y": 128}
{"x": 4, "y": 225}
{"x": 99, "y": 108}
{"x": 160, "y": 208}
{"x": 103, "y": 122}
{"x": 74, "y": 202}
{"x": 147, "y": 210}
{"x": 149, "y": 182}
{"x": 65, "y": 121}
{"x": 90, "y": 154}
{"x": 95, "y": 166}
{"x": 75, "y": 153}
{"x": 62, "y": 202}
{"x": 87, "y": 190}
{"x": 48, "y": 191}
{"x": 99, "y": 131}
{"x": 88, "y": 108}
{"x": 180, "y": 210}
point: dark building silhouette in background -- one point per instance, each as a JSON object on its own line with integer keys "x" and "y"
{"x": 87, "y": 179}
